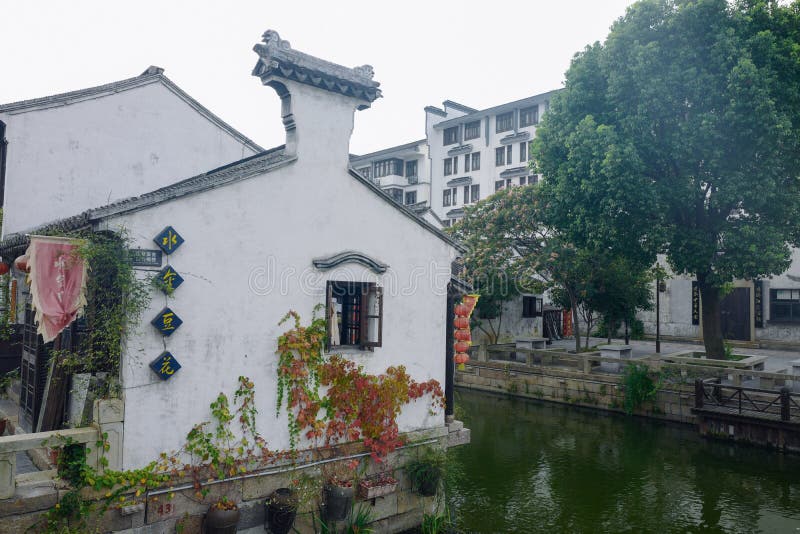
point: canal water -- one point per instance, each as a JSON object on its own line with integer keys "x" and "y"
{"x": 541, "y": 467}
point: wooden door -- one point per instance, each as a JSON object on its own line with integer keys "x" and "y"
{"x": 33, "y": 373}
{"x": 735, "y": 314}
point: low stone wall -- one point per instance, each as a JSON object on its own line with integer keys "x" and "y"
{"x": 778, "y": 436}
{"x": 157, "y": 512}
{"x": 574, "y": 387}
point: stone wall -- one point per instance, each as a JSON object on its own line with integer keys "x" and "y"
{"x": 184, "y": 511}
{"x": 574, "y": 387}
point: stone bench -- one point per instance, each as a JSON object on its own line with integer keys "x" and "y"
{"x": 623, "y": 352}
{"x": 619, "y": 352}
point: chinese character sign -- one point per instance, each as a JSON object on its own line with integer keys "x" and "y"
{"x": 165, "y": 366}
{"x": 169, "y": 279}
{"x": 58, "y": 283}
{"x": 166, "y": 322}
{"x": 168, "y": 240}
{"x": 695, "y": 304}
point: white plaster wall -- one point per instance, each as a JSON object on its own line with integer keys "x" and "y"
{"x": 67, "y": 159}
{"x": 247, "y": 261}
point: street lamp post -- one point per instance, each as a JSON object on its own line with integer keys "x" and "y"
{"x": 661, "y": 287}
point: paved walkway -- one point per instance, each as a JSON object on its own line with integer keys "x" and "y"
{"x": 778, "y": 359}
{"x": 9, "y": 408}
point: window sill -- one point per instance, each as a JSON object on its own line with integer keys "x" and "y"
{"x": 348, "y": 349}
{"x": 783, "y": 323}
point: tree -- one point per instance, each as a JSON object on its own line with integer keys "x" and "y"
{"x": 681, "y": 134}
{"x": 508, "y": 242}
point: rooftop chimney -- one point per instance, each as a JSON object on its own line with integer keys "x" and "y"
{"x": 318, "y": 98}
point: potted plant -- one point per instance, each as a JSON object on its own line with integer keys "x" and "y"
{"x": 377, "y": 486}
{"x": 281, "y": 510}
{"x": 222, "y": 517}
{"x": 338, "y": 490}
{"x": 426, "y": 470}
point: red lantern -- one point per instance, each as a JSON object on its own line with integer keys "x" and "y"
{"x": 21, "y": 263}
{"x": 461, "y": 346}
{"x": 463, "y": 335}
{"x": 3, "y": 268}
{"x": 460, "y": 358}
{"x": 461, "y": 323}
{"x": 462, "y": 310}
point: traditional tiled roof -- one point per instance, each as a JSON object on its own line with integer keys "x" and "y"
{"x": 233, "y": 172}
{"x": 405, "y": 147}
{"x": 277, "y": 58}
{"x": 516, "y": 171}
{"x": 502, "y": 108}
{"x": 463, "y": 180}
{"x": 240, "y": 170}
{"x": 150, "y": 76}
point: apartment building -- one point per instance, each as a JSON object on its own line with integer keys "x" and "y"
{"x": 474, "y": 153}
{"x": 467, "y": 155}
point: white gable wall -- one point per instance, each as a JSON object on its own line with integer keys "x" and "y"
{"x": 66, "y": 159}
{"x": 247, "y": 260}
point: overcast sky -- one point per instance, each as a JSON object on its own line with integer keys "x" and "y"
{"x": 478, "y": 53}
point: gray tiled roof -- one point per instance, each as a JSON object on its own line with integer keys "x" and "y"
{"x": 502, "y": 108}
{"x": 246, "y": 168}
{"x": 240, "y": 170}
{"x": 277, "y": 58}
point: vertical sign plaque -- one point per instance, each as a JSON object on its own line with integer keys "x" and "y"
{"x": 695, "y": 304}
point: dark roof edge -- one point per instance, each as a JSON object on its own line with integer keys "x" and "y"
{"x": 436, "y": 111}
{"x": 408, "y": 213}
{"x": 233, "y": 172}
{"x": 79, "y": 95}
{"x": 404, "y": 146}
{"x": 459, "y": 107}
{"x": 494, "y": 109}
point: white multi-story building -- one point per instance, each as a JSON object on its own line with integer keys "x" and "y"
{"x": 474, "y": 153}
{"x": 467, "y": 155}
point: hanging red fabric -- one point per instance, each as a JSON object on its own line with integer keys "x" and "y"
{"x": 58, "y": 283}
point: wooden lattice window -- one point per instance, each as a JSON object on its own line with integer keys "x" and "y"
{"x": 355, "y": 314}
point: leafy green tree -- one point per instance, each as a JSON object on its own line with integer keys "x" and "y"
{"x": 505, "y": 235}
{"x": 681, "y": 134}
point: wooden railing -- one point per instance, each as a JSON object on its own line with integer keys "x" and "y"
{"x": 11, "y": 445}
{"x": 712, "y": 395}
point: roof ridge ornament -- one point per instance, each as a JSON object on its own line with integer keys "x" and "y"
{"x": 277, "y": 58}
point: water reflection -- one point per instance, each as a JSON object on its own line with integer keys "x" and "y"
{"x": 537, "y": 467}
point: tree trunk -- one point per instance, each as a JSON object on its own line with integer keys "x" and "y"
{"x": 627, "y": 334}
{"x": 576, "y": 329}
{"x": 712, "y": 323}
{"x": 609, "y": 327}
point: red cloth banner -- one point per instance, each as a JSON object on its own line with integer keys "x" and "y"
{"x": 58, "y": 283}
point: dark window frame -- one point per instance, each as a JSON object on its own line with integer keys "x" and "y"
{"x": 529, "y": 116}
{"x": 411, "y": 168}
{"x": 411, "y": 195}
{"x": 450, "y": 136}
{"x": 476, "y": 161}
{"x": 531, "y": 306}
{"x": 475, "y": 192}
{"x": 472, "y": 130}
{"x": 504, "y": 122}
{"x": 790, "y": 305}
{"x": 355, "y": 328}
{"x": 499, "y": 156}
